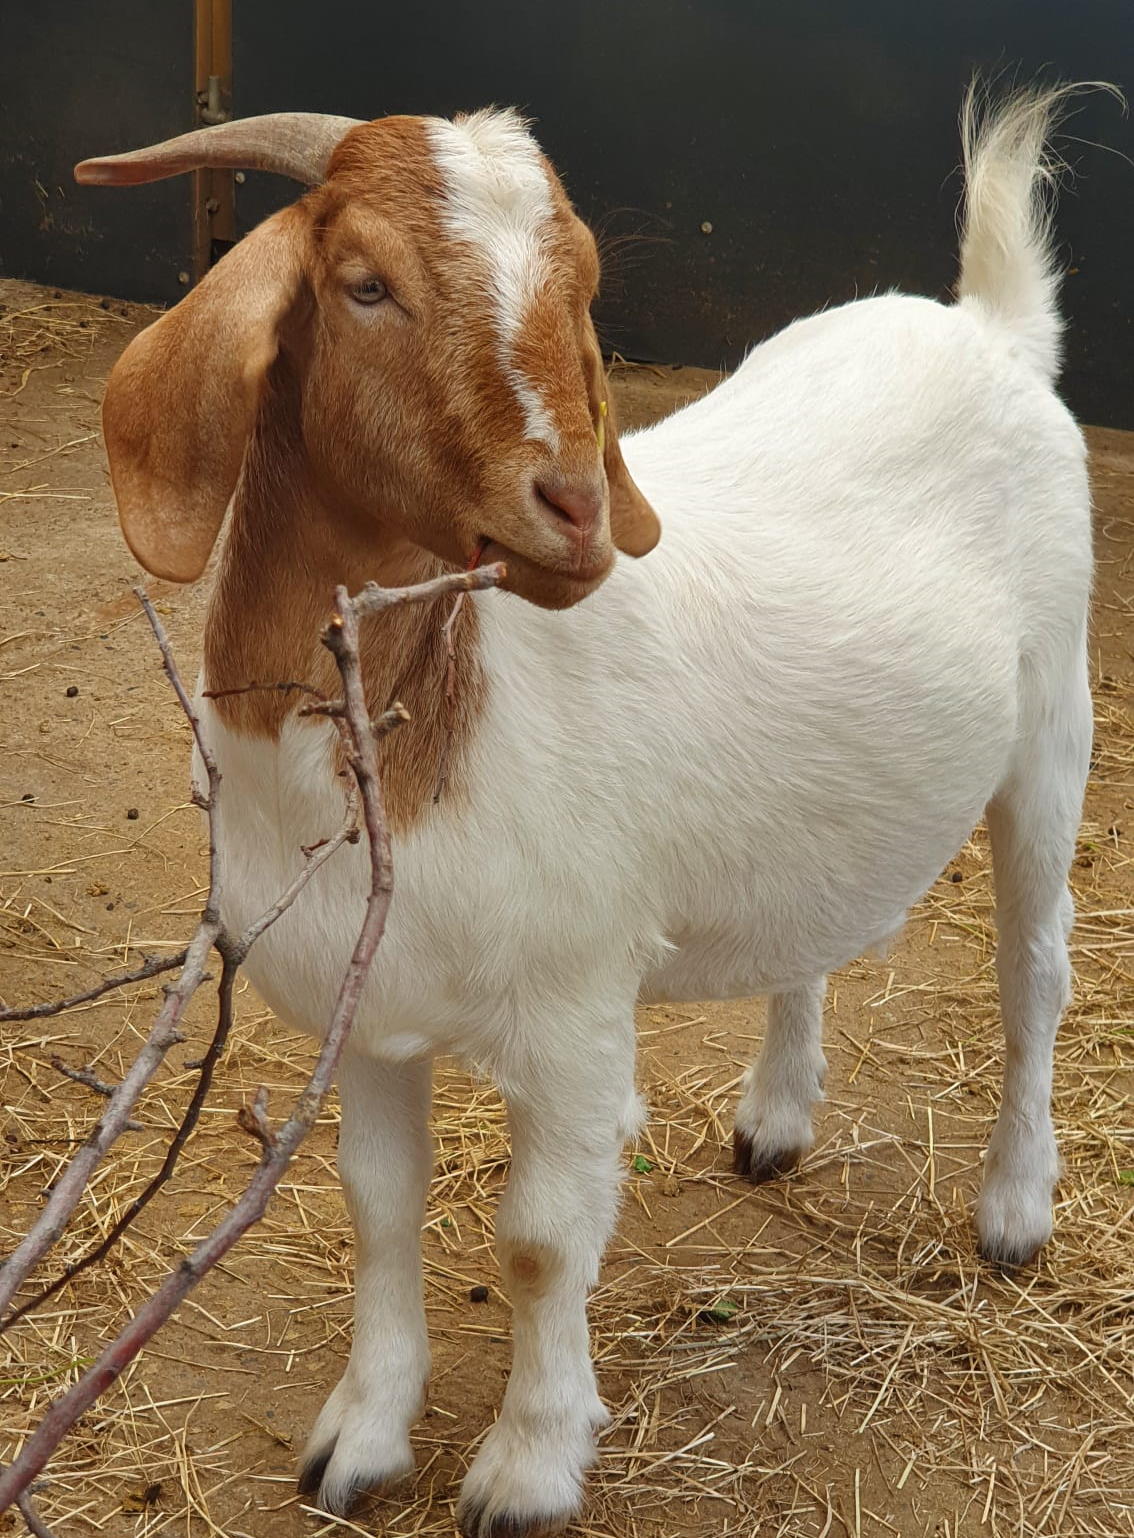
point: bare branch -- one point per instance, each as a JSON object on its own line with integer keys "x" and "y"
{"x": 448, "y": 631}
{"x": 397, "y": 715}
{"x": 390, "y": 720}
{"x": 82, "y": 1076}
{"x": 314, "y": 857}
{"x": 68, "y": 1189}
{"x": 36, "y": 1525}
{"x": 90, "y": 1080}
{"x": 290, "y": 687}
{"x": 253, "y": 1119}
{"x": 359, "y": 736}
{"x": 171, "y": 672}
{"x": 151, "y": 967}
{"x": 376, "y": 600}
{"x": 341, "y": 638}
{"x": 206, "y": 1065}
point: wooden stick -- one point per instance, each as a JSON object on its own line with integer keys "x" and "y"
{"x": 341, "y": 639}
{"x": 151, "y": 967}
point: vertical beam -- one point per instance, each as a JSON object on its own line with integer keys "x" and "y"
{"x": 214, "y": 216}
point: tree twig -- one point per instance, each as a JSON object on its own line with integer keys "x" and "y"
{"x": 448, "y": 632}
{"x": 289, "y": 687}
{"x": 373, "y": 599}
{"x": 188, "y": 1122}
{"x": 82, "y": 1076}
{"x": 341, "y": 638}
{"x": 68, "y": 1189}
{"x": 151, "y": 967}
{"x": 36, "y": 1525}
{"x": 233, "y": 953}
{"x": 278, "y": 1148}
{"x": 314, "y": 857}
{"x": 89, "y": 1080}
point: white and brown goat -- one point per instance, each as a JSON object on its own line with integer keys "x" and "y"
{"x": 729, "y": 770}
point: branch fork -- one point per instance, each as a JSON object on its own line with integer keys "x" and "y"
{"x": 360, "y": 737}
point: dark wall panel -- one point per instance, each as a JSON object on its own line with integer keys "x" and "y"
{"x": 818, "y": 141}
{"x": 78, "y": 79}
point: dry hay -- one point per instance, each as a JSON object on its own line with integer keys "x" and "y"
{"x": 846, "y": 1303}
{"x": 37, "y": 331}
{"x": 824, "y": 1356}
{"x": 43, "y": 330}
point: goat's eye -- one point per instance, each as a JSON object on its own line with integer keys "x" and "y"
{"x": 369, "y": 291}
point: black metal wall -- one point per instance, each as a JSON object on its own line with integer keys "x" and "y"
{"x": 91, "y": 77}
{"x": 818, "y": 141}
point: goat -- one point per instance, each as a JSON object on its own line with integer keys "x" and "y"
{"x": 730, "y": 770}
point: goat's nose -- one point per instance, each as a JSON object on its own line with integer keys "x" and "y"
{"x": 575, "y": 502}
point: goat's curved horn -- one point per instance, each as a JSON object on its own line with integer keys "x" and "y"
{"x": 296, "y": 144}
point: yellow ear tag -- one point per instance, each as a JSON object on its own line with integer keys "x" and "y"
{"x": 600, "y": 427}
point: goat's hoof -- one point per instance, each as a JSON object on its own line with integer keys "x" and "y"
{"x": 1013, "y": 1245}
{"x": 337, "y": 1487}
{"x": 1008, "y": 1259}
{"x": 1013, "y": 1220}
{"x": 528, "y": 1480}
{"x": 311, "y": 1473}
{"x": 757, "y": 1164}
{"x": 475, "y": 1520}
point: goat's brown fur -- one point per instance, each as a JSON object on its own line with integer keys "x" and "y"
{"x": 362, "y": 443}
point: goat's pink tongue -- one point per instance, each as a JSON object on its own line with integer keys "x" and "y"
{"x": 477, "y": 557}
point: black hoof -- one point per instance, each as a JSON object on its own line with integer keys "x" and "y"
{"x": 760, "y": 1168}
{"x": 346, "y": 1497}
{"x": 311, "y": 1474}
{"x": 1010, "y": 1259}
{"x": 472, "y": 1522}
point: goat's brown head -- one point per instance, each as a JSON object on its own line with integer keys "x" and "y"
{"x": 432, "y": 294}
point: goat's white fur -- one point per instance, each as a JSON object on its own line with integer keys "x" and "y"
{"x": 498, "y": 201}
{"x": 729, "y": 771}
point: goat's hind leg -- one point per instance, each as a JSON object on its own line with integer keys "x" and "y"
{"x": 773, "y": 1120}
{"x": 1033, "y": 821}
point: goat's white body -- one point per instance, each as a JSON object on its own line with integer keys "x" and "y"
{"x": 737, "y": 765}
{"x": 731, "y": 769}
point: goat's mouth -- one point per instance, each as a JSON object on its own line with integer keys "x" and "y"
{"x": 549, "y": 587}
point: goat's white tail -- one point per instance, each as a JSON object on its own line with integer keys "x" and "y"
{"x": 1008, "y": 266}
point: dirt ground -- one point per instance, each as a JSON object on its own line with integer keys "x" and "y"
{"x": 822, "y": 1356}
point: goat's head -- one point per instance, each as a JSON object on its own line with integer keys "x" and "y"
{"x": 433, "y": 293}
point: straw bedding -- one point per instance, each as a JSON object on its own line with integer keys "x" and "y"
{"x": 825, "y": 1355}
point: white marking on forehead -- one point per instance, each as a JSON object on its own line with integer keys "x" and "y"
{"x": 498, "y": 198}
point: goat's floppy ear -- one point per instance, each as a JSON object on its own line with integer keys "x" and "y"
{"x": 181, "y": 400}
{"x": 634, "y": 525}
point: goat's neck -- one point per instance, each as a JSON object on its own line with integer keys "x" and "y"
{"x": 284, "y": 554}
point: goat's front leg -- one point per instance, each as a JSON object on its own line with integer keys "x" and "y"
{"x": 569, "y": 1111}
{"x": 361, "y": 1438}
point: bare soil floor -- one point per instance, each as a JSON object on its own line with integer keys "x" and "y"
{"x": 822, "y": 1356}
